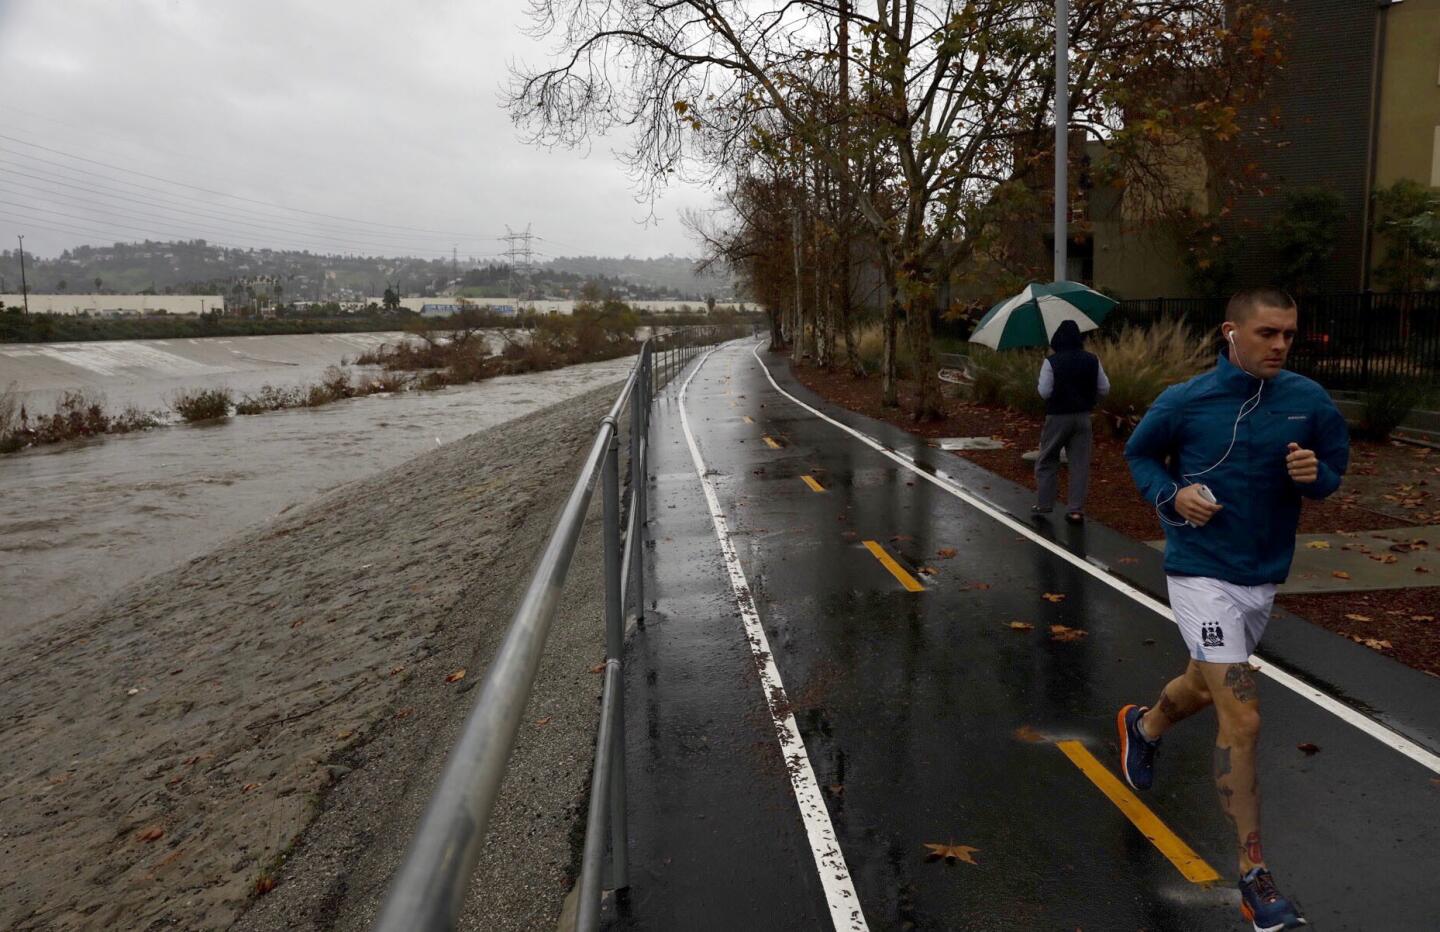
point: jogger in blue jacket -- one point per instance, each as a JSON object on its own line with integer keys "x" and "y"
{"x": 1226, "y": 459}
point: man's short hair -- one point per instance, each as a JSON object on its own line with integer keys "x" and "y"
{"x": 1245, "y": 303}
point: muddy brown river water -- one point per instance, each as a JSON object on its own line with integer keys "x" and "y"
{"x": 80, "y": 521}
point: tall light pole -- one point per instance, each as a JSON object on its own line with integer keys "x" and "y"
{"x": 24, "y": 288}
{"x": 1062, "y": 136}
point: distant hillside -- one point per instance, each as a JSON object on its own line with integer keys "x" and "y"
{"x": 197, "y": 267}
{"x": 673, "y": 272}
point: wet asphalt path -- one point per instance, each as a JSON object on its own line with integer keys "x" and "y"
{"x": 928, "y": 719}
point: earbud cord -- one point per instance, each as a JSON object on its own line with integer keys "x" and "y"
{"x": 1248, "y": 407}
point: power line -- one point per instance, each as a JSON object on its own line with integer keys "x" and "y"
{"x": 181, "y": 184}
{"x": 229, "y": 214}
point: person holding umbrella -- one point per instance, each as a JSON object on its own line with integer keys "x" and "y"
{"x": 1072, "y": 381}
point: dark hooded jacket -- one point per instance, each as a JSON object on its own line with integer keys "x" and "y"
{"x": 1076, "y": 373}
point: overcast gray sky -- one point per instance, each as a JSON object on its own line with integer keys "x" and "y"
{"x": 381, "y": 111}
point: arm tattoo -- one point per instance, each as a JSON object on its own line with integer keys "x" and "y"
{"x": 1241, "y": 680}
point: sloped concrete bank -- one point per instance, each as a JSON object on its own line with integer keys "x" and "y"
{"x": 252, "y": 735}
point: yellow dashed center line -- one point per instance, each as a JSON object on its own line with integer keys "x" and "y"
{"x": 910, "y": 583}
{"x": 814, "y": 486}
{"x": 770, "y": 442}
{"x": 1190, "y": 864}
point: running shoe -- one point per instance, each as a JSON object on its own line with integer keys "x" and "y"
{"x": 1137, "y": 753}
{"x": 1266, "y": 908}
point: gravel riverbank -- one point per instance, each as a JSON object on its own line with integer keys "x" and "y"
{"x": 274, "y": 713}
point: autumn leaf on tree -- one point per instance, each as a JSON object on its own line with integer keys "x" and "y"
{"x": 455, "y": 677}
{"x": 1062, "y": 633}
{"x": 951, "y": 853}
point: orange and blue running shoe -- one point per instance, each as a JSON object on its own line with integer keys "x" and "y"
{"x": 1137, "y": 753}
{"x": 1266, "y": 908}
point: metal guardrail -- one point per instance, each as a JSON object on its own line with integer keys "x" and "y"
{"x": 428, "y": 890}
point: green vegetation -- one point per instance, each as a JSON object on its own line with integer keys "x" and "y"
{"x": 1407, "y": 219}
{"x": 77, "y": 414}
{"x": 1387, "y": 403}
{"x": 201, "y": 404}
{"x": 1305, "y": 232}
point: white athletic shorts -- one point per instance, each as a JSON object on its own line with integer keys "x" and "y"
{"x": 1220, "y": 621}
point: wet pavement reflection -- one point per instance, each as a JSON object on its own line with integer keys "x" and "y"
{"x": 930, "y": 719}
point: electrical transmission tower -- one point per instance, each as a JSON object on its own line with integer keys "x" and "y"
{"x": 521, "y": 256}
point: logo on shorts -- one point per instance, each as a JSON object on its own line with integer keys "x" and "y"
{"x": 1211, "y": 635}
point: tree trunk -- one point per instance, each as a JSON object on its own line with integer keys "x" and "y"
{"x": 797, "y": 330}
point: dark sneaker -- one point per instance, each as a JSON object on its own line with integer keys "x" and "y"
{"x": 1137, "y": 753}
{"x": 1266, "y": 908}
{"x": 1075, "y": 517}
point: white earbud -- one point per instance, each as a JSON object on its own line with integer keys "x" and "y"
{"x": 1230, "y": 335}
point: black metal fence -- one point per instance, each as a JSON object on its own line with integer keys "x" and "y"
{"x": 1346, "y": 341}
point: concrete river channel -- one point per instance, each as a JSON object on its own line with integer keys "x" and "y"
{"x": 81, "y": 520}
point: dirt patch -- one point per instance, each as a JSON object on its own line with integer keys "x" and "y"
{"x": 1400, "y": 623}
{"x": 166, "y": 751}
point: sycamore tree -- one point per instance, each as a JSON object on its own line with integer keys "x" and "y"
{"x": 950, "y": 110}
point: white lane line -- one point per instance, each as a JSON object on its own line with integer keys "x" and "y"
{"x": 1386, "y": 736}
{"x": 829, "y": 860}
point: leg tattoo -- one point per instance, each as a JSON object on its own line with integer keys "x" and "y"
{"x": 1241, "y": 680}
{"x": 1169, "y": 708}
{"x": 1222, "y": 781}
{"x": 1251, "y": 848}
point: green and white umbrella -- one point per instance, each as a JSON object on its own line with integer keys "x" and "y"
{"x": 1030, "y": 318}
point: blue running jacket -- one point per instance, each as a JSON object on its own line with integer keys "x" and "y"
{"x": 1251, "y": 541}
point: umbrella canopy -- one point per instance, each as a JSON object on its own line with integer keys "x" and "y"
{"x": 1030, "y": 318}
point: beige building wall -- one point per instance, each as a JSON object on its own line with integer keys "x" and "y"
{"x": 1409, "y": 137}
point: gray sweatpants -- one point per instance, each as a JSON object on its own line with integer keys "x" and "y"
{"x": 1070, "y": 432}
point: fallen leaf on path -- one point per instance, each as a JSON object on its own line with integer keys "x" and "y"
{"x": 951, "y": 853}
{"x": 1375, "y": 644}
{"x": 598, "y": 668}
{"x": 1129, "y": 560}
{"x": 982, "y": 586}
{"x": 397, "y": 669}
{"x": 1319, "y": 545}
{"x": 541, "y": 723}
{"x": 837, "y": 789}
{"x": 153, "y": 833}
{"x": 455, "y": 677}
{"x": 947, "y": 552}
{"x": 1340, "y": 574}
{"x": 264, "y": 885}
{"x": 1062, "y": 633}
{"x": 404, "y": 713}
{"x": 297, "y": 623}
{"x": 1029, "y": 735}
{"x": 1056, "y": 597}
{"x": 928, "y": 571}
{"x": 1309, "y": 748}
{"x": 1353, "y": 617}
{"x": 344, "y": 734}
{"x": 1422, "y": 617}
{"x": 1422, "y": 569}
{"x": 249, "y": 786}
{"x": 1021, "y": 626}
{"x": 901, "y": 538}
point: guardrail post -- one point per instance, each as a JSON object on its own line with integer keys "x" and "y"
{"x": 614, "y": 651}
